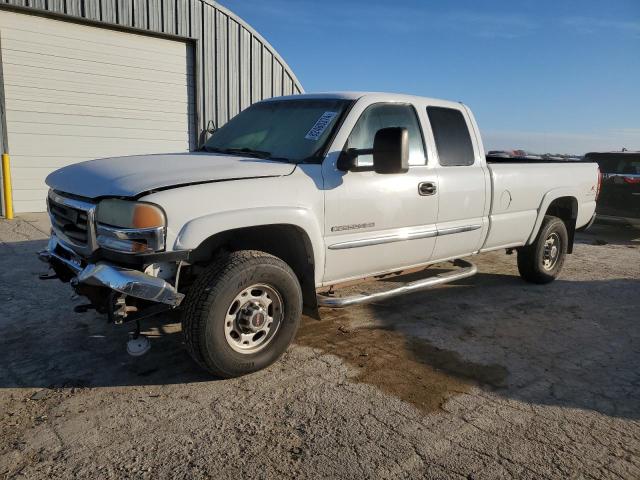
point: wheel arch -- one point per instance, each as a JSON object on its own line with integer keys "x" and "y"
{"x": 559, "y": 203}
{"x": 289, "y": 242}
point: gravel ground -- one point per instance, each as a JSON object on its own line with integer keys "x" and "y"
{"x": 487, "y": 378}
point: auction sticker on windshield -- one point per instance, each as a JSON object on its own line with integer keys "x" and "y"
{"x": 321, "y": 125}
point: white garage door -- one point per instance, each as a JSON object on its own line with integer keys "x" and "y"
{"x": 76, "y": 92}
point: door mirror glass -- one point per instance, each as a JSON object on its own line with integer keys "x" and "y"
{"x": 358, "y": 151}
{"x": 391, "y": 150}
{"x": 390, "y": 153}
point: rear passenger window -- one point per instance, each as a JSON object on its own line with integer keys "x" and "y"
{"x": 452, "y": 137}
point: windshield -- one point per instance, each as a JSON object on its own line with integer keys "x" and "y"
{"x": 287, "y": 130}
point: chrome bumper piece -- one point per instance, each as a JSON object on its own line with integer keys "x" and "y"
{"x": 468, "y": 269}
{"x": 129, "y": 282}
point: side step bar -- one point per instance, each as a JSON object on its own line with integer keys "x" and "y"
{"x": 467, "y": 269}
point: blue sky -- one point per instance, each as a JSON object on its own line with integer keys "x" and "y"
{"x": 560, "y": 76}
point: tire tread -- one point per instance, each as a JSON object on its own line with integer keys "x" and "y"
{"x": 203, "y": 294}
{"x": 528, "y": 255}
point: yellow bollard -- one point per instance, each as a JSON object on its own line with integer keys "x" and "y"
{"x": 6, "y": 184}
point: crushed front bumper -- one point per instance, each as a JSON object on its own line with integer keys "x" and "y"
{"x": 101, "y": 274}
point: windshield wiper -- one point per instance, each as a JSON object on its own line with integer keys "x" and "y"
{"x": 249, "y": 152}
{"x": 236, "y": 151}
{"x": 239, "y": 151}
{"x": 211, "y": 149}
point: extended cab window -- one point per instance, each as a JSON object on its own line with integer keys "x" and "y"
{"x": 384, "y": 115}
{"x": 452, "y": 137}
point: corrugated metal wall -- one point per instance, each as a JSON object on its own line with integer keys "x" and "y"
{"x": 236, "y": 65}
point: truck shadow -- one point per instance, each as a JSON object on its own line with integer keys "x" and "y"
{"x": 601, "y": 234}
{"x": 571, "y": 344}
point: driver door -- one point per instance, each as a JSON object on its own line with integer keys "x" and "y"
{"x": 377, "y": 223}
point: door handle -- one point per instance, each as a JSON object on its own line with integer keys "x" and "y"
{"x": 427, "y": 188}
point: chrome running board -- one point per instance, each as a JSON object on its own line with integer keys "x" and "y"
{"x": 468, "y": 269}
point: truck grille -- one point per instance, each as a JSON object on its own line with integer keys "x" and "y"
{"x": 72, "y": 220}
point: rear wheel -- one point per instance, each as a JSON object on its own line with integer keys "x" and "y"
{"x": 242, "y": 313}
{"x": 542, "y": 261}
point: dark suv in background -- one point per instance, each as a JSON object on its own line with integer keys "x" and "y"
{"x": 619, "y": 199}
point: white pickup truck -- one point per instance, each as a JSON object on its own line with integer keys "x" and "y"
{"x": 292, "y": 198}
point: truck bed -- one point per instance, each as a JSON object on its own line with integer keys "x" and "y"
{"x": 520, "y": 189}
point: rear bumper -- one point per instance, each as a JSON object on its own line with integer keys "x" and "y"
{"x": 102, "y": 274}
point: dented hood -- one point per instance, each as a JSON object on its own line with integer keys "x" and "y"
{"x": 132, "y": 176}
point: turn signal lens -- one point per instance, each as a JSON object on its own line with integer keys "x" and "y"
{"x": 146, "y": 215}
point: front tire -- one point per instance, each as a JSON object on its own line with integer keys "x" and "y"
{"x": 542, "y": 261}
{"x": 242, "y": 313}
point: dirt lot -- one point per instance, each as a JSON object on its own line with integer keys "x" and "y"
{"x": 486, "y": 378}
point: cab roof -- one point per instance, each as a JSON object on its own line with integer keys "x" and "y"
{"x": 376, "y": 96}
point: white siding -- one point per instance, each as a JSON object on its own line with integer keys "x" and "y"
{"x": 76, "y": 92}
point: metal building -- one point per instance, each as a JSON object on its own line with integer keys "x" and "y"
{"x": 82, "y": 79}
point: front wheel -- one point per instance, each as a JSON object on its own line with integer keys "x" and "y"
{"x": 542, "y": 261}
{"x": 242, "y": 313}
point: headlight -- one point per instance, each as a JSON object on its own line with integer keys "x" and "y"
{"x": 130, "y": 227}
{"x": 122, "y": 213}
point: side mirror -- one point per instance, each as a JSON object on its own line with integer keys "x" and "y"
{"x": 390, "y": 153}
{"x": 391, "y": 150}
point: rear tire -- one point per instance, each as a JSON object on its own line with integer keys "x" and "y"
{"x": 242, "y": 313}
{"x": 542, "y": 261}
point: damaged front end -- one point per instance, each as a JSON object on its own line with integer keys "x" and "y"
{"x": 123, "y": 294}
{"x": 141, "y": 285}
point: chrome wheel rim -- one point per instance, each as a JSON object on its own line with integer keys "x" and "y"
{"x": 253, "y": 318}
{"x": 551, "y": 253}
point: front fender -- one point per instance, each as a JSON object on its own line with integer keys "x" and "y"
{"x": 197, "y": 230}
